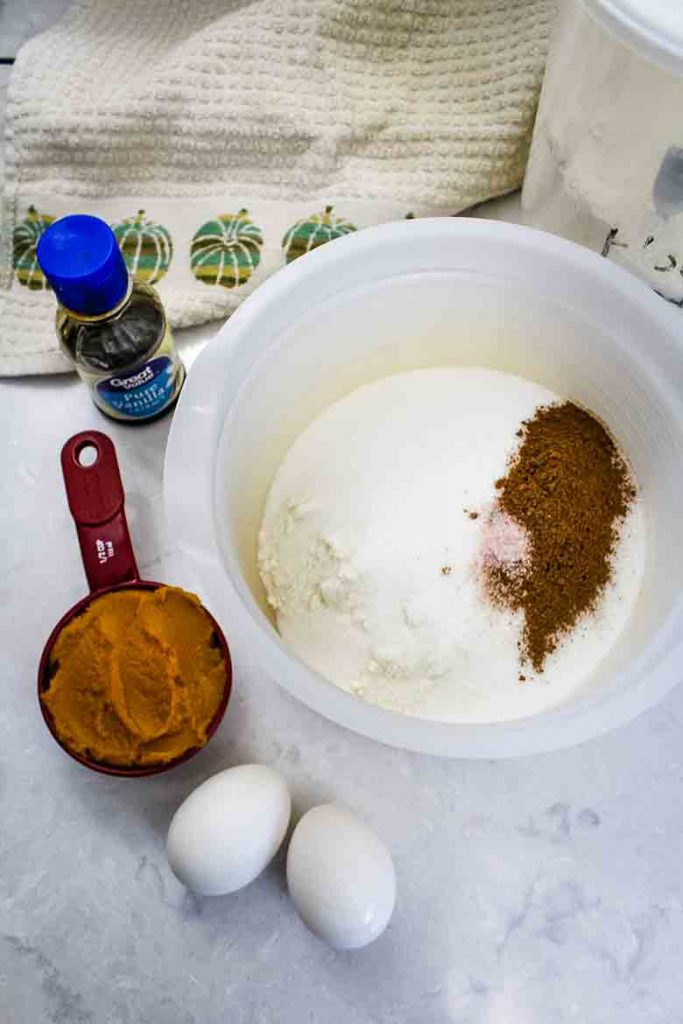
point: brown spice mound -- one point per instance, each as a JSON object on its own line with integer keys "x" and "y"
{"x": 569, "y": 488}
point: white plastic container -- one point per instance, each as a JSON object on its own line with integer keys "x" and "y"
{"x": 429, "y": 293}
{"x": 606, "y": 161}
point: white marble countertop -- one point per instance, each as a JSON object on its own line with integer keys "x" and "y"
{"x": 530, "y": 891}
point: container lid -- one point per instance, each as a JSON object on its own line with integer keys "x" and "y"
{"x": 81, "y": 259}
{"x": 653, "y": 28}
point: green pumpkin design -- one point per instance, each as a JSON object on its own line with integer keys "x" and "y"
{"x": 226, "y": 250}
{"x": 310, "y": 232}
{"x": 147, "y": 247}
{"x": 25, "y": 242}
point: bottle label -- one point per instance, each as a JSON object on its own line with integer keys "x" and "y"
{"x": 142, "y": 393}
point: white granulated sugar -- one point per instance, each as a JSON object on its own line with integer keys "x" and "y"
{"x": 369, "y": 555}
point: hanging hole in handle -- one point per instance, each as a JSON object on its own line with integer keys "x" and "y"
{"x": 87, "y": 454}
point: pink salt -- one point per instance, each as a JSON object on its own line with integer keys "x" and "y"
{"x": 503, "y": 541}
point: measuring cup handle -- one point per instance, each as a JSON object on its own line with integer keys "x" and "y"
{"x": 96, "y": 501}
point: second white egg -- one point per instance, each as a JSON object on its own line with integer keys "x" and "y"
{"x": 341, "y": 877}
{"x": 229, "y": 829}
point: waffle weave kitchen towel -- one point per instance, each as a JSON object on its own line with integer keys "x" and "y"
{"x": 225, "y": 138}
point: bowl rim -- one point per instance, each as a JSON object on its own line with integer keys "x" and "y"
{"x": 189, "y": 486}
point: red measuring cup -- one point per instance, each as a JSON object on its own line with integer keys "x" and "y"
{"x": 96, "y": 501}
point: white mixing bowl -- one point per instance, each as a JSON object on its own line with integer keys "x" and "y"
{"x": 433, "y": 293}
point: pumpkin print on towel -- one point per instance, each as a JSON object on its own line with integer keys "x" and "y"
{"x": 147, "y": 247}
{"x": 226, "y": 250}
{"x": 310, "y": 232}
{"x": 25, "y": 241}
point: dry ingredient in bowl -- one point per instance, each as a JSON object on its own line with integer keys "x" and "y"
{"x": 379, "y": 525}
{"x": 137, "y": 678}
{"x": 568, "y": 490}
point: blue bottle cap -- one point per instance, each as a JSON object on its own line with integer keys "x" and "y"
{"x": 81, "y": 259}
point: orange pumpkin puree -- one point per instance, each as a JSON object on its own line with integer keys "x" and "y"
{"x": 136, "y": 678}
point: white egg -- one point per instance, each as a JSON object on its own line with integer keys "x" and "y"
{"x": 229, "y": 829}
{"x": 341, "y": 877}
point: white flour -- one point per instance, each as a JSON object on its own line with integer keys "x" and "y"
{"x": 368, "y": 553}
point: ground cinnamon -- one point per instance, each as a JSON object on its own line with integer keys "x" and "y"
{"x": 569, "y": 488}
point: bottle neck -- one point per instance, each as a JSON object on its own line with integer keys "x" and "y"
{"x": 84, "y": 318}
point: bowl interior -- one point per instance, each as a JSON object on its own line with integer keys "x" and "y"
{"x": 587, "y": 345}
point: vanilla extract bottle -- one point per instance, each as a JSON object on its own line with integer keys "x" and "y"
{"x": 112, "y": 327}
